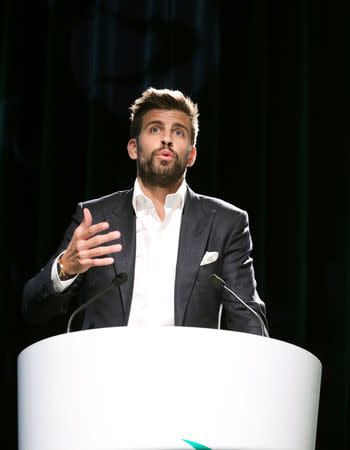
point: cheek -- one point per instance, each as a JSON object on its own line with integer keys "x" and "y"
{"x": 149, "y": 142}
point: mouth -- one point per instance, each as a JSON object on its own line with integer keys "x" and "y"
{"x": 165, "y": 155}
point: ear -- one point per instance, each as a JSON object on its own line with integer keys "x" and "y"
{"x": 132, "y": 148}
{"x": 192, "y": 157}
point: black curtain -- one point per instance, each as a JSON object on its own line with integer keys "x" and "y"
{"x": 271, "y": 80}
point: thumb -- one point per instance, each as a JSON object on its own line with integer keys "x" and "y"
{"x": 87, "y": 221}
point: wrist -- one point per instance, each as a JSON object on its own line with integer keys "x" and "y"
{"x": 63, "y": 275}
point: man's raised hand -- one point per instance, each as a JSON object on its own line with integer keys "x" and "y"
{"x": 85, "y": 246}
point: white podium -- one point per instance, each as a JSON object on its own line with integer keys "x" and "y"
{"x": 166, "y": 388}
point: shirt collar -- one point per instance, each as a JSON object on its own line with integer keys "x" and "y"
{"x": 172, "y": 201}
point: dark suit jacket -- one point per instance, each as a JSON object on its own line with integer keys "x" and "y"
{"x": 208, "y": 224}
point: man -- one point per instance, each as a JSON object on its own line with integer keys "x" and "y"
{"x": 166, "y": 238}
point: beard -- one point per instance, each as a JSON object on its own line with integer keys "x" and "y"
{"x": 160, "y": 173}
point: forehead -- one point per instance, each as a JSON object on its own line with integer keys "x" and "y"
{"x": 167, "y": 116}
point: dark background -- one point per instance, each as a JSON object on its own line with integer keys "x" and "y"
{"x": 271, "y": 79}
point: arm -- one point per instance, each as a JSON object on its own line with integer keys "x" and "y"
{"x": 83, "y": 248}
{"x": 238, "y": 273}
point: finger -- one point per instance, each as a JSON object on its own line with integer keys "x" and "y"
{"x": 102, "y": 261}
{"x": 102, "y": 238}
{"x": 86, "y": 233}
{"x": 85, "y": 224}
{"x": 97, "y": 262}
{"x": 87, "y": 218}
{"x": 100, "y": 251}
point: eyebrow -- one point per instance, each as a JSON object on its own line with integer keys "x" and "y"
{"x": 174, "y": 125}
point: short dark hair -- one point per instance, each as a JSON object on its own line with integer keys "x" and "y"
{"x": 163, "y": 99}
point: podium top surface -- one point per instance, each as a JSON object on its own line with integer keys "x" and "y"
{"x": 177, "y": 335}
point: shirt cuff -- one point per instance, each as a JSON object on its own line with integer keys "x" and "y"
{"x": 58, "y": 284}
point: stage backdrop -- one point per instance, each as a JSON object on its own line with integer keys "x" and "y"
{"x": 271, "y": 80}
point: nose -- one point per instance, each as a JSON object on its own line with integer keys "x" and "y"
{"x": 166, "y": 140}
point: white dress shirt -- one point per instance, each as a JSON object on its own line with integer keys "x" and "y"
{"x": 156, "y": 256}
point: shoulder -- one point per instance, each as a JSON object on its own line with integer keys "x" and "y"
{"x": 108, "y": 201}
{"x": 102, "y": 207}
{"x": 221, "y": 207}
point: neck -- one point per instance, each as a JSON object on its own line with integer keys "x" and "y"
{"x": 158, "y": 195}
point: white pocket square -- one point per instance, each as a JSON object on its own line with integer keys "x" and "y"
{"x": 209, "y": 257}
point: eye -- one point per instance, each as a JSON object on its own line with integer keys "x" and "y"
{"x": 179, "y": 132}
{"x": 155, "y": 130}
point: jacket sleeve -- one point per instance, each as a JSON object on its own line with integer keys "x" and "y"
{"x": 40, "y": 302}
{"x": 238, "y": 274}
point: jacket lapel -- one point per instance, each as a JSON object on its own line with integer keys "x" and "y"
{"x": 123, "y": 219}
{"x": 194, "y": 233}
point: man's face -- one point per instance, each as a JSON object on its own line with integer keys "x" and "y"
{"x": 163, "y": 149}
